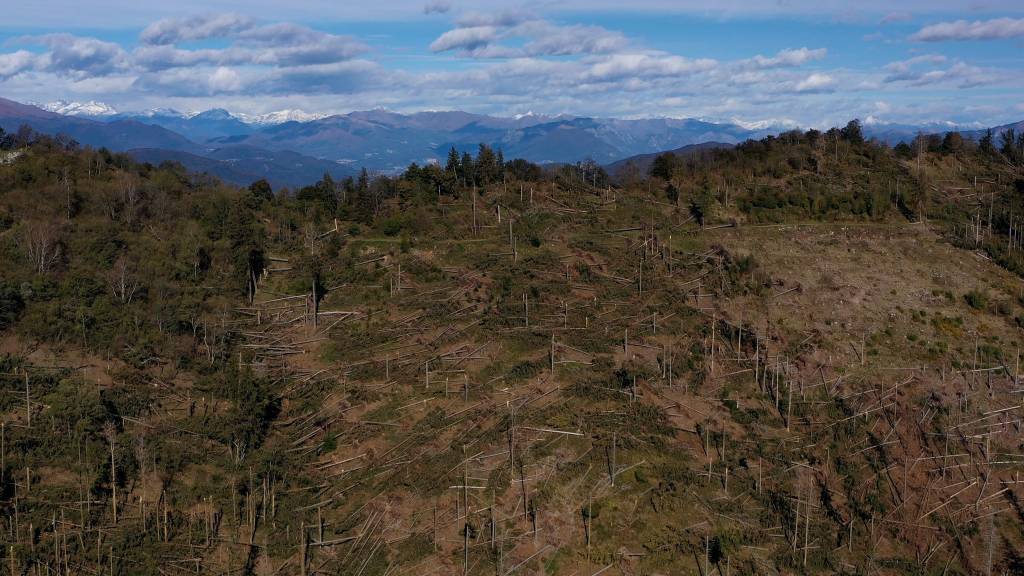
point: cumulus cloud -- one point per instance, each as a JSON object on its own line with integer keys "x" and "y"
{"x": 960, "y": 74}
{"x": 191, "y": 82}
{"x": 620, "y": 66}
{"x": 996, "y": 29}
{"x": 789, "y": 58}
{"x": 550, "y": 40}
{"x": 281, "y": 44}
{"x": 929, "y": 69}
{"x": 468, "y": 38}
{"x": 904, "y": 69}
{"x": 816, "y": 82}
{"x": 480, "y": 36}
{"x": 15, "y": 63}
{"x": 191, "y": 28}
{"x": 79, "y": 56}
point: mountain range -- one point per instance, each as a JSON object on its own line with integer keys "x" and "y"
{"x": 292, "y": 148}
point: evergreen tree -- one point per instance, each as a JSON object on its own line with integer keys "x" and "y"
{"x": 672, "y": 193}
{"x": 664, "y": 165}
{"x": 486, "y": 165}
{"x": 986, "y": 144}
{"x": 261, "y": 190}
{"x": 1009, "y": 146}
{"x": 952, "y": 142}
{"x": 852, "y": 132}
{"x": 364, "y": 181}
{"x": 363, "y": 199}
{"x": 453, "y": 161}
{"x": 468, "y": 169}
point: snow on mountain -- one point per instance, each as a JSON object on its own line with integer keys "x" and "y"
{"x": 90, "y": 108}
{"x": 163, "y": 112}
{"x": 280, "y": 117}
{"x": 768, "y": 124}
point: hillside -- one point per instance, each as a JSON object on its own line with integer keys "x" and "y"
{"x": 795, "y": 355}
{"x": 640, "y": 165}
{"x": 117, "y": 135}
{"x": 242, "y": 165}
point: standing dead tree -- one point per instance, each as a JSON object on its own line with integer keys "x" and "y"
{"x": 42, "y": 245}
{"x": 123, "y": 280}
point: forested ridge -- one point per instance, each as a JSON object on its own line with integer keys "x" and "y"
{"x": 492, "y": 367}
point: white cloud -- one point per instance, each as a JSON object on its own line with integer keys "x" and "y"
{"x": 281, "y": 44}
{"x": 79, "y": 56}
{"x": 201, "y": 27}
{"x": 16, "y": 63}
{"x": 789, "y": 57}
{"x": 469, "y": 38}
{"x": 479, "y": 36}
{"x": 195, "y": 82}
{"x": 928, "y": 69}
{"x": 633, "y": 66}
{"x": 224, "y": 80}
{"x": 903, "y": 69}
{"x": 550, "y": 40}
{"x": 816, "y": 82}
{"x": 996, "y": 29}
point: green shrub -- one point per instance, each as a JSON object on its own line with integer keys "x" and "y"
{"x": 11, "y": 305}
{"x": 977, "y": 300}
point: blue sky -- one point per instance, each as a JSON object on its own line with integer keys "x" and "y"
{"x": 799, "y": 62}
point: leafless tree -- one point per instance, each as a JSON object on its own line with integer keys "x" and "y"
{"x": 42, "y": 245}
{"x": 68, "y": 187}
{"x": 123, "y": 280}
{"x": 110, "y": 432}
{"x": 141, "y": 454}
{"x": 131, "y": 197}
{"x": 108, "y": 199}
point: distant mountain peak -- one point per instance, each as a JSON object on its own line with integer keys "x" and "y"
{"x": 215, "y": 114}
{"x": 162, "y": 112}
{"x": 766, "y": 124}
{"x": 90, "y": 108}
{"x": 281, "y": 116}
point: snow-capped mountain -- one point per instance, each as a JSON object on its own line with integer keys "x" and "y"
{"x": 280, "y": 117}
{"x": 162, "y": 112}
{"x": 382, "y": 139}
{"x": 90, "y": 108}
{"x": 779, "y": 124}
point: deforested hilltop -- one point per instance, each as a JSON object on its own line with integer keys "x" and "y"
{"x": 797, "y": 355}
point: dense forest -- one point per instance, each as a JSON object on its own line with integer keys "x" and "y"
{"x": 489, "y": 366}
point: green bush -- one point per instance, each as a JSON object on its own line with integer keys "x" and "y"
{"x": 977, "y": 300}
{"x": 11, "y": 305}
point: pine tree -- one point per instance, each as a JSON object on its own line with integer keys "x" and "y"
{"x": 364, "y": 200}
{"x": 853, "y": 133}
{"x": 453, "y": 162}
{"x": 468, "y": 169}
{"x": 486, "y": 165}
{"x": 1009, "y": 147}
{"x": 986, "y": 145}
